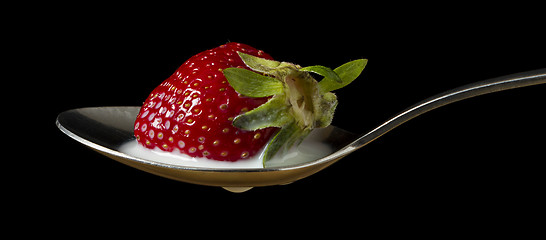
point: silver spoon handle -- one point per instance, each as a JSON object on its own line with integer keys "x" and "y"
{"x": 512, "y": 81}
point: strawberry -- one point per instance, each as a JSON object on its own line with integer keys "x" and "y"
{"x": 192, "y": 110}
{"x": 227, "y": 103}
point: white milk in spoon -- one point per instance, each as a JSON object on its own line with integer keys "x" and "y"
{"x": 311, "y": 148}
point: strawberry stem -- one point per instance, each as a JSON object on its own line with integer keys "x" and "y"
{"x": 298, "y": 104}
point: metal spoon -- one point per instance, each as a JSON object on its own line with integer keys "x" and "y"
{"x": 105, "y": 129}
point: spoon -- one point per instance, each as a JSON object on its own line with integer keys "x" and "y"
{"x": 105, "y": 129}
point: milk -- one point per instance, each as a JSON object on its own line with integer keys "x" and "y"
{"x": 310, "y": 149}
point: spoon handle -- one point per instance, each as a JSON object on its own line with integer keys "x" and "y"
{"x": 512, "y": 81}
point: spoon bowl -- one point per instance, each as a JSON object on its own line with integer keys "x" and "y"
{"x": 106, "y": 129}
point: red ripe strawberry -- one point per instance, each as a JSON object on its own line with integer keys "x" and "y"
{"x": 192, "y": 111}
{"x": 227, "y": 102}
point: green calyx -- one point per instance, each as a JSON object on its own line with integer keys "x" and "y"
{"x": 298, "y": 104}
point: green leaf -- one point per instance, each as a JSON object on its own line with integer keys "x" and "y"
{"x": 289, "y": 135}
{"x": 348, "y": 72}
{"x": 323, "y": 71}
{"x": 252, "y": 84}
{"x": 273, "y": 113}
{"x": 258, "y": 64}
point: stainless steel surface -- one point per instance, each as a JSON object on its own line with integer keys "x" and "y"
{"x": 512, "y": 81}
{"x": 105, "y": 129}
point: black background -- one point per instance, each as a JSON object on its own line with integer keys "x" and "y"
{"x": 472, "y": 165}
